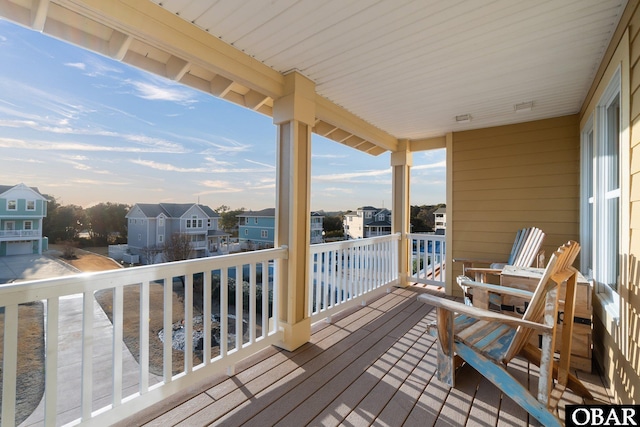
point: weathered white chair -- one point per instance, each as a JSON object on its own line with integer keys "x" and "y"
{"x": 488, "y": 341}
{"x": 525, "y": 252}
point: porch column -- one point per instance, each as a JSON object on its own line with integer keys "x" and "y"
{"x": 294, "y": 114}
{"x": 401, "y": 162}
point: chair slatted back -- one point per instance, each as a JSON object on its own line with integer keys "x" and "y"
{"x": 559, "y": 266}
{"x": 526, "y": 247}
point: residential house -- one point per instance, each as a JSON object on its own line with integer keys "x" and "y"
{"x": 536, "y": 104}
{"x": 440, "y": 221}
{"x": 367, "y": 221}
{"x": 22, "y": 211}
{"x": 150, "y": 225}
{"x": 256, "y": 229}
{"x": 317, "y": 228}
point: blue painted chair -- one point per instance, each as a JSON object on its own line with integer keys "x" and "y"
{"x": 488, "y": 341}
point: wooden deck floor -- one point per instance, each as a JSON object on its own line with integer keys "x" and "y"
{"x": 372, "y": 366}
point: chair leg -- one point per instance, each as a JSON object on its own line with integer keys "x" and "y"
{"x": 533, "y": 355}
{"x": 445, "y": 355}
{"x": 499, "y": 376}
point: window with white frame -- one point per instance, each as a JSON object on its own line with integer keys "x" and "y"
{"x": 31, "y": 205}
{"x": 12, "y": 205}
{"x": 600, "y": 198}
{"x": 264, "y": 234}
{"x": 28, "y": 225}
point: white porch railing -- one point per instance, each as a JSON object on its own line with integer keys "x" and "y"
{"x": 19, "y": 233}
{"x": 343, "y": 274}
{"x": 257, "y": 322}
{"x": 427, "y": 259}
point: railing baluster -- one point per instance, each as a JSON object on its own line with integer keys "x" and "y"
{"x": 144, "y": 337}
{"x": 87, "y": 355}
{"x": 167, "y": 323}
{"x": 118, "y": 303}
{"x": 51, "y": 361}
{"x": 10, "y": 365}
{"x": 252, "y": 303}
{"x": 265, "y": 299}
{"x": 239, "y": 305}
{"x": 206, "y": 317}
{"x": 188, "y": 323}
{"x": 224, "y": 312}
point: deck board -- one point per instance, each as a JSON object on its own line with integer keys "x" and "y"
{"x": 372, "y": 365}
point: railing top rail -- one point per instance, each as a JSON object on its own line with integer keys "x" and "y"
{"x": 427, "y": 236}
{"x": 344, "y": 244}
{"x": 17, "y": 293}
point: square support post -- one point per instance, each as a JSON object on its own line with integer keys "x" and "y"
{"x": 401, "y": 162}
{"x": 294, "y": 114}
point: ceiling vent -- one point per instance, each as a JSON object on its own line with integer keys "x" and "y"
{"x": 523, "y": 106}
{"x": 464, "y": 118}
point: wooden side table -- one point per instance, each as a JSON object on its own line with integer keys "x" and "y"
{"x": 527, "y": 278}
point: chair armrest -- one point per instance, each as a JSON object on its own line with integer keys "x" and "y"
{"x": 475, "y": 270}
{"x": 480, "y": 314}
{"x": 475, "y": 260}
{"x": 498, "y": 289}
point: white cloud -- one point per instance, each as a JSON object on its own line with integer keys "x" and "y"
{"x": 74, "y": 146}
{"x": 167, "y": 167}
{"x": 79, "y": 65}
{"x": 329, "y": 156}
{"x": 351, "y": 175}
{"x": 155, "y": 92}
{"x": 441, "y": 164}
{"x": 259, "y": 163}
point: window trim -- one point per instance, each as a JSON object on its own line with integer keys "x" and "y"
{"x": 12, "y": 202}
{"x": 615, "y": 82}
{"x": 27, "y": 205}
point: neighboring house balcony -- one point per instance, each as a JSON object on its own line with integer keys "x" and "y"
{"x": 20, "y": 234}
{"x": 199, "y": 244}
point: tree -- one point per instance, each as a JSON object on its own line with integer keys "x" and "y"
{"x": 229, "y": 219}
{"x": 332, "y": 223}
{"x": 62, "y": 223}
{"x": 107, "y": 222}
{"x": 422, "y": 218}
{"x": 150, "y": 253}
{"x": 177, "y": 247}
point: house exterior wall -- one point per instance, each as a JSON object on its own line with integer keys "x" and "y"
{"x": 138, "y": 230}
{"x": 510, "y": 177}
{"x": 257, "y": 229}
{"x": 617, "y": 341}
{"x": 367, "y": 222}
{"x": 22, "y": 211}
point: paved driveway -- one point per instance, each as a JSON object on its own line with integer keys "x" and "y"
{"x": 18, "y": 268}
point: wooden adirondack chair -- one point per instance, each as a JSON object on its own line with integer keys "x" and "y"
{"x": 525, "y": 253}
{"x": 488, "y": 341}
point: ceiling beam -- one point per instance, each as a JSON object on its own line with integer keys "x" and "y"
{"x": 335, "y": 115}
{"x": 157, "y": 26}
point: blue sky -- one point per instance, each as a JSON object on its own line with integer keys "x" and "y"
{"x": 87, "y": 129}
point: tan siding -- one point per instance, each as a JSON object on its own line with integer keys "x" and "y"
{"x": 634, "y": 223}
{"x": 516, "y": 176}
